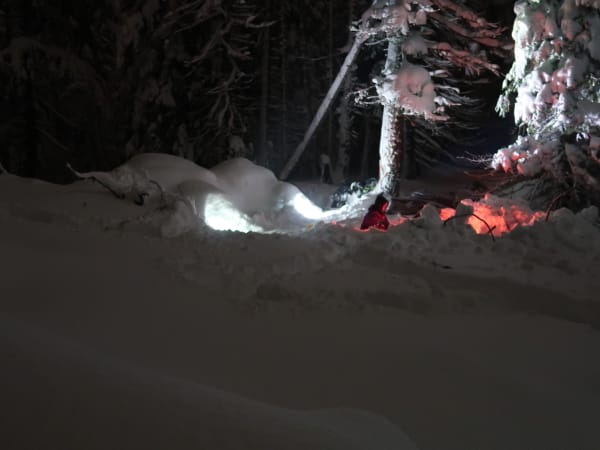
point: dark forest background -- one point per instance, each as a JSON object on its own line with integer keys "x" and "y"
{"x": 94, "y": 82}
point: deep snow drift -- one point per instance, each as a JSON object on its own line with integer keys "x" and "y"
{"x": 142, "y": 327}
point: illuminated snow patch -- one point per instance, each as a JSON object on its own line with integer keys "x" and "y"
{"x": 307, "y": 208}
{"x": 220, "y": 214}
{"x": 500, "y": 215}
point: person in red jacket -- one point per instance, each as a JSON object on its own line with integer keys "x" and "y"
{"x": 376, "y": 217}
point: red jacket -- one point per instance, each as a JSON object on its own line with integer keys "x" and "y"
{"x": 375, "y": 218}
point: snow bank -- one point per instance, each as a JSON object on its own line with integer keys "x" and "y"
{"x": 235, "y": 195}
{"x": 141, "y": 408}
{"x": 161, "y": 343}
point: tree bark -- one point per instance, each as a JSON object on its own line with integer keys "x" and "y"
{"x": 409, "y": 163}
{"x": 283, "y": 73}
{"x": 330, "y": 51}
{"x": 391, "y": 140}
{"x": 358, "y": 40}
{"x": 345, "y": 119}
{"x": 263, "y": 156}
{"x": 31, "y": 139}
{"x": 390, "y": 150}
{"x": 364, "y": 160}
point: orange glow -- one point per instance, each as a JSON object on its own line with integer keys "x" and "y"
{"x": 446, "y": 213}
{"x": 395, "y": 221}
{"x": 501, "y": 219}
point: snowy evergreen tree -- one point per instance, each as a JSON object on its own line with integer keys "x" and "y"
{"x": 427, "y": 40}
{"x": 54, "y": 100}
{"x": 193, "y": 65}
{"x": 556, "y": 81}
{"x": 431, "y": 45}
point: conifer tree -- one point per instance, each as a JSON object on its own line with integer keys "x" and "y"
{"x": 431, "y": 44}
{"x": 555, "y": 85}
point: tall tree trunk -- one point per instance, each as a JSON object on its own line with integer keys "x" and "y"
{"x": 284, "y": 92}
{"x": 364, "y": 160}
{"x": 390, "y": 150}
{"x": 409, "y": 163}
{"x": 345, "y": 118}
{"x": 263, "y": 120}
{"x": 358, "y": 40}
{"x": 31, "y": 139}
{"x": 391, "y": 143}
{"x": 330, "y": 51}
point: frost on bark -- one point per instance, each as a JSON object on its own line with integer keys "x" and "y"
{"x": 390, "y": 151}
{"x": 390, "y": 148}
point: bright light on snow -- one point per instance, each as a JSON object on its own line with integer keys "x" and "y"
{"x": 220, "y": 214}
{"x": 307, "y": 208}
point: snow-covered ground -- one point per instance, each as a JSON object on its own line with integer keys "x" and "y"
{"x": 126, "y": 326}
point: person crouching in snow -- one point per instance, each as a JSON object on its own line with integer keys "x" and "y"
{"x": 376, "y": 217}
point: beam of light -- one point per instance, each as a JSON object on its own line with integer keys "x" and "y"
{"x": 220, "y": 214}
{"x": 307, "y": 208}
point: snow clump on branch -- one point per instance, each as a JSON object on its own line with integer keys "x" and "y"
{"x": 411, "y": 89}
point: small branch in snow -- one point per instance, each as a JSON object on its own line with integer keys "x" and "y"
{"x": 555, "y": 200}
{"x": 490, "y": 229}
{"x": 160, "y": 188}
{"x": 140, "y": 196}
{"x": 81, "y": 177}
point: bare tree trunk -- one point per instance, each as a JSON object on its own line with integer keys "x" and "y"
{"x": 390, "y": 150}
{"x": 345, "y": 120}
{"x": 364, "y": 161}
{"x": 358, "y": 40}
{"x": 283, "y": 50}
{"x": 31, "y": 140}
{"x": 330, "y": 51}
{"x": 391, "y": 140}
{"x": 263, "y": 156}
{"x": 409, "y": 164}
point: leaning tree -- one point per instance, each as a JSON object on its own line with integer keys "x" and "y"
{"x": 555, "y": 84}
